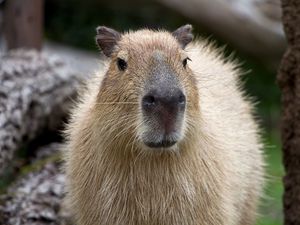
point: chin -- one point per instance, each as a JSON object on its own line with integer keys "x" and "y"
{"x": 161, "y": 142}
{"x": 173, "y": 148}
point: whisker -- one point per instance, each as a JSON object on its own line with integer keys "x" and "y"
{"x": 110, "y": 103}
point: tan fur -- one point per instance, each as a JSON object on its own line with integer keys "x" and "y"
{"x": 214, "y": 176}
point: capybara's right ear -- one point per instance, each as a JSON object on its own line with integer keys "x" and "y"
{"x": 184, "y": 35}
{"x": 107, "y": 39}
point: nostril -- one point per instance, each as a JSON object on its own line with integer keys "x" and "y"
{"x": 148, "y": 101}
{"x": 181, "y": 99}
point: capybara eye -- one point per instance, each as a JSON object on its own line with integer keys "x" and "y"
{"x": 122, "y": 64}
{"x": 184, "y": 62}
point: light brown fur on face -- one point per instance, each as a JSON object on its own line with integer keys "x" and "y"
{"x": 213, "y": 175}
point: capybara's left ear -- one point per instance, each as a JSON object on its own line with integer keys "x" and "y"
{"x": 184, "y": 35}
{"x": 107, "y": 39}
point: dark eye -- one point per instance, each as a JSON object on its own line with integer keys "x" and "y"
{"x": 122, "y": 64}
{"x": 184, "y": 62}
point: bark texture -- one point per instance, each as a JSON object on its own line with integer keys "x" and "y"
{"x": 36, "y": 92}
{"x": 289, "y": 82}
{"x": 36, "y": 198}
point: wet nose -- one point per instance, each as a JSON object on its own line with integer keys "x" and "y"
{"x": 164, "y": 101}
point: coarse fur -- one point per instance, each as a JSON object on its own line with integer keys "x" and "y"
{"x": 213, "y": 176}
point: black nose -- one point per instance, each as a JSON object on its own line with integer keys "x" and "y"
{"x": 172, "y": 100}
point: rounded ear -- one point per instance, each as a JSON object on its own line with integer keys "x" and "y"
{"x": 107, "y": 39}
{"x": 184, "y": 35}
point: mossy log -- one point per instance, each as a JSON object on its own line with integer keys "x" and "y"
{"x": 36, "y": 196}
{"x": 36, "y": 91}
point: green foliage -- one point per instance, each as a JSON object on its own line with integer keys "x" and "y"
{"x": 261, "y": 83}
{"x": 271, "y": 208}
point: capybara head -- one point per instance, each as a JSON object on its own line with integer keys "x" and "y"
{"x": 149, "y": 92}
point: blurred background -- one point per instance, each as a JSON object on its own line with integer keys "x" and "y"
{"x": 248, "y": 30}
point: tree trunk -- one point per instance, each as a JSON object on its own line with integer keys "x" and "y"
{"x": 289, "y": 82}
{"x": 35, "y": 95}
{"x": 24, "y": 23}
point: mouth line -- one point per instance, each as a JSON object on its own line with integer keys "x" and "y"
{"x": 161, "y": 144}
